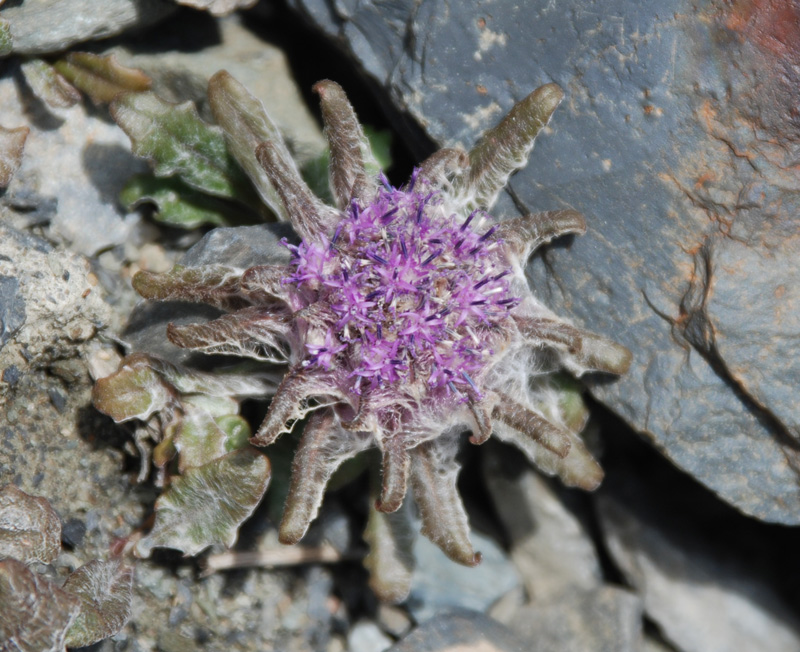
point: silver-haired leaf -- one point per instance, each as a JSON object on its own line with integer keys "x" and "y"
{"x": 207, "y": 504}
{"x": 30, "y": 529}
{"x": 246, "y": 124}
{"x": 530, "y": 423}
{"x": 250, "y": 332}
{"x": 505, "y": 148}
{"x": 215, "y": 285}
{"x": 325, "y": 445}
{"x": 201, "y": 438}
{"x": 434, "y": 472}
{"x": 308, "y": 215}
{"x": 104, "y": 589}
{"x": 353, "y": 169}
{"x": 36, "y": 613}
{"x": 577, "y": 469}
{"x": 134, "y": 391}
{"x": 523, "y": 235}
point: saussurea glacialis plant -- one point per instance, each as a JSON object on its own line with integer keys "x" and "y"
{"x": 403, "y": 320}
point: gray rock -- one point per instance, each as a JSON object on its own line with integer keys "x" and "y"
{"x": 365, "y": 636}
{"x": 703, "y": 598}
{"x": 550, "y": 545}
{"x": 606, "y": 619}
{"x": 462, "y": 631}
{"x": 683, "y": 168}
{"x": 440, "y": 585}
{"x": 75, "y": 161}
{"x": 41, "y": 26}
{"x": 51, "y": 308}
{"x": 12, "y": 308}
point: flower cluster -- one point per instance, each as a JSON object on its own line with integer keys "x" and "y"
{"x": 414, "y": 291}
{"x": 405, "y": 320}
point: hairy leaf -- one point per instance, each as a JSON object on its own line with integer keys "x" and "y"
{"x": 12, "y": 142}
{"x": 104, "y": 589}
{"x": 323, "y": 448}
{"x": 249, "y": 332}
{"x": 544, "y": 432}
{"x": 102, "y": 78}
{"x": 353, "y": 170}
{"x": 505, "y": 148}
{"x": 135, "y": 391}
{"x": 246, "y": 124}
{"x": 34, "y": 613}
{"x": 216, "y": 285}
{"x": 434, "y": 472}
{"x": 202, "y": 439}
{"x": 178, "y": 142}
{"x": 48, "y": 85}
{"x": 30, "y": 529}
{"x": 577, "y": 469}
{"x": 176, "y": 203}
{"x": 207, "y": 505}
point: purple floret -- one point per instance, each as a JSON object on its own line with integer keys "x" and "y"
{"x": 413, "y": 290}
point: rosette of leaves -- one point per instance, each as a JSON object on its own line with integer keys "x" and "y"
{"x": 403, "y": 320}
{"x": 38, "y": 615}
{"x": 188, "y": 422}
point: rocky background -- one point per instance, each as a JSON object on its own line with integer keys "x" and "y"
{"x": 679, "y": 142}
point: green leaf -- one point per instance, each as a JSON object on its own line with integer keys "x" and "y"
{"x": 201, "y": 438}
{"x": 48, "y": 85}
{"x": 35, "y": 612}
{"x": 30, "y": 529}
{"x": 176, "y": 203}
{"x": 380, "y": 142}
{"x": 101, "y": 78}
{"x": 104, "y": 589}
{"x": 315, "y": 174}
{"x": 179, "y": 143}
{"x": 6, "y": 45}
{"x": 207, "y": 505}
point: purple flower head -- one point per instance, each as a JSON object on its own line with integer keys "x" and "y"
{"x": 413, "y": 289}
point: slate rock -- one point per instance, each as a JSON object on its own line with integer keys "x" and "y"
{"x": 677, "y": 141}
{"x": 605, "y": 619}
{"x": 41, "y": 26}
{"x": 462, "y": 630}
{"x": 701, "y": 574}
{"x": 439, "y": 585}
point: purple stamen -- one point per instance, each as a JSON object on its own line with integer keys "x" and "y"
{"x": 430, "y": 258}
{"x": 468, "y": 220}
{"x": 487, "y": 235}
